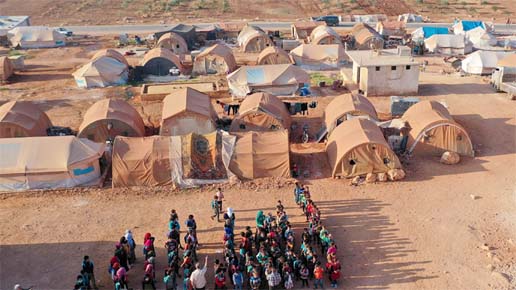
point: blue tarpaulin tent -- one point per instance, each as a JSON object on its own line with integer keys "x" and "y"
{"x": 429, "y": 31}
{"x": 468, "y": 25}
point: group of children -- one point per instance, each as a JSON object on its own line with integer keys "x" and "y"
{"x": 86, "y": 279}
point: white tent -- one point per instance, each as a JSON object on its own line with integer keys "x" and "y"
{"x": 101, "y": 72}
{"x": 35, "y": 37}
{"x": 480, "y": 38}
{"x": 482, "y": 62}
{"x": 450, "y": 44}
{"x": 409, "y": 17}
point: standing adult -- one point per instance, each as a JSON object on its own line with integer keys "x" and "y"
{"x": 220, "y": 198}
{"x": 88, "y": 267}
{"x": 132, "y": 246}
{"x": 198, "y": 277}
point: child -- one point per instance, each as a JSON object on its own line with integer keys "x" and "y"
{"x": 318, "y": 275}
{"x": 303, "y": 274}
{"x": 215, "y": 207}
{"x": 289, "y": 283}
{"x": 220, "y": 280}
{"x": 169, "y": 279}
{"x": 238, "y": 280}
{"x": 186, "y": 279}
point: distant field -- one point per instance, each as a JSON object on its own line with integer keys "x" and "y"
{"x": 76, "y": 12}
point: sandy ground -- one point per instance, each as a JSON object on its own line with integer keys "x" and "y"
{"x": 426, "y": 232}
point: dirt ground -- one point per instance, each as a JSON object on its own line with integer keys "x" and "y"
{"x": 427, "y": 231}
{"x": 88, "y": 12}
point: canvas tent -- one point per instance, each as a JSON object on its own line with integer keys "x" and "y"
{"x": 427, "y": 31}
{"x": 173, "y": 42}
{"x": 253, "y": 39}
{"x": 22, "y": 119}
{"x": 366, "y": 37}
{"x": 48, "y": 162}
{"x": 217, "y": 59}
{"x": 109, "y": 118}
{"x": 6, "y": 68}
{"x": 462, "y": 26}
{"x": 110, "y": 53}
{"x": 480, "y": 38}
{"x": 35, "y": 37}
{"x": 183, "y": 161}
{"x": 318, "y": 57}
{"x": 345, "y": 106}
{"x": 159, "y": 61}
{"x": 273, "y": 55}
{"x": 186, "y": 32}
{"x": 102, "y": 72}
{"x": 261, "y": 112}
{"x": 302, "y": 30}
{"x": 357, "y": 147}
{"x": 433, "y": 131}
{"x": 482, "y": 62}
{"x": 277, "y": 79}
{"x": 449, "y": 44}
{"x": 409, "y": 17}
{"x": 391, "y": 28}
{"x": 261, "y": 154}
{"x": 324, "y": 34}
{"x": 187, "y": 111}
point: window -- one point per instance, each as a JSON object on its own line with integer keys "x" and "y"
{"x": 177, "y": 45}
{"x": 407, "y": 67}
{"x": 459, "y": 137}
{"x": 352, "y": 162}
{"x": 393, "y": 67}
{"x": 377, "y": 68}
{"x": 242, "y": 126}
{"x": 386, "y": 161}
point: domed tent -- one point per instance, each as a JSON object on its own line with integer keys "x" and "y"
{"x": 261, "y": 112}
{"x": 433, "y": 131}
{"x": 217, "y": 59}
{"x": 317, "y": 57}
{"x": 22, "y": 119}
{"x": 173, "y": 42}
{"x": 253, "y": 39}
{"x": 109, "y": 118}
{"x": 187, "y": 111}
{"x": 273, "y": 55}
{"x": 6, "y": 68}
{"x": 339, "y": 108}
{"x": 261, "y": 154}
{"x": 159, "y": 61}
{"x": 110, "y": 53}
{"x": 323, "y": 34}
{"x": 48, "y": 162}
{"x": 366, "y": 37}
{"x": 102, "y": 72}
{"x": 357, "y": 147}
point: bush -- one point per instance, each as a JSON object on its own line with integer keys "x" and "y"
{"x": 445, "y": 2}
{"x": 419, "y": 1}
{"x": 225, "y": 6}
{"x": 495, "y": 8}
{"x": 352, "y": 1}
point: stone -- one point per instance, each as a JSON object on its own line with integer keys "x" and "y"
{"x": 502, "y": 276}
{"x": 396, "y": 174}
{"x": 450, "y": 158}
{"x": 486, "y": 247}
{"x": 370, "y": 178}
{"x": 382, "y": 177}
{"x": 474, "y": 197}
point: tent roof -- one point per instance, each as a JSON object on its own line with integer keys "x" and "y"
{"x": 220, "y": 50}
{"x": 348, "y": 103}
{"x": 162, "y": 53}
{"x": 319, "y": 52}
{"x": 470, "y": 24}
{"x": 113, "y": 109}
{"x": 187, "y": 100}
{"x": 307, "y": 24}
{"x": 111, "y": 53}
{"x": 45, "y": 154}
{"x": 351, "y": 134}
{"x": 35, "y": 33}
{"x": 232, "y": 26}
{"x": 394, "y": 25}
{"x": 272, "y": 50}
{"x": 170, "y": 36}
{"x": 362, "y": 32}
{"x": 321, "y": 32}
{"x": 508, "y": 61}
{"x": 250, "y": 32}
{"x": 446, "y": 40}
{"x": 25, "y": 115}
{"x": 264, "y": 102}
{"x": 274, "y": 74}
{"x": 101, "y": 66}
{"x": 429, "y": 31}
{"x": 484, "y": 58}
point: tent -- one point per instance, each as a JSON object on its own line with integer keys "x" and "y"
{"x": 277, "y": 79}
{"x": 391, "y": 28}
{"x": 427, "y": 31}
{"x": 317, "y": 57}
{"x": 482, "y": 62}
{"x": 480, "y": 38}
{"x": 366, "y": 37}
{"x": 6, "y": 68}
{"x": 261, "y": 112}
{"x": 273, "y": 55}
{"x": 261, "y": 154}
{"x": 462, "y": 26}
{"x": 323, "y": 34}
{"x": 183, "y": 161}
{"x": 449, "y": 44}
{"x": 217, "y": 59}
{"x": 433, "y": 131}
{"x": 102, "y": 72}
{"x": 173, "y": 42}
{"x": 35, "y": 37}
{"x": 22, "y": 119}
{"x": 186, "y": 32}
{"x": 109, "y": 118}
{"x": 357, "y": 147}
{"x": 110, "y": 53}
{"x": 159, "y": 61}
{"x": 187, "y": 111}
{"x": 409, "y": 17}
{"x": 302, "y": 30}
{"x": 344, "y": 106}
{"x": 253, "y": 39}
{"x": 48, "y": 162}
